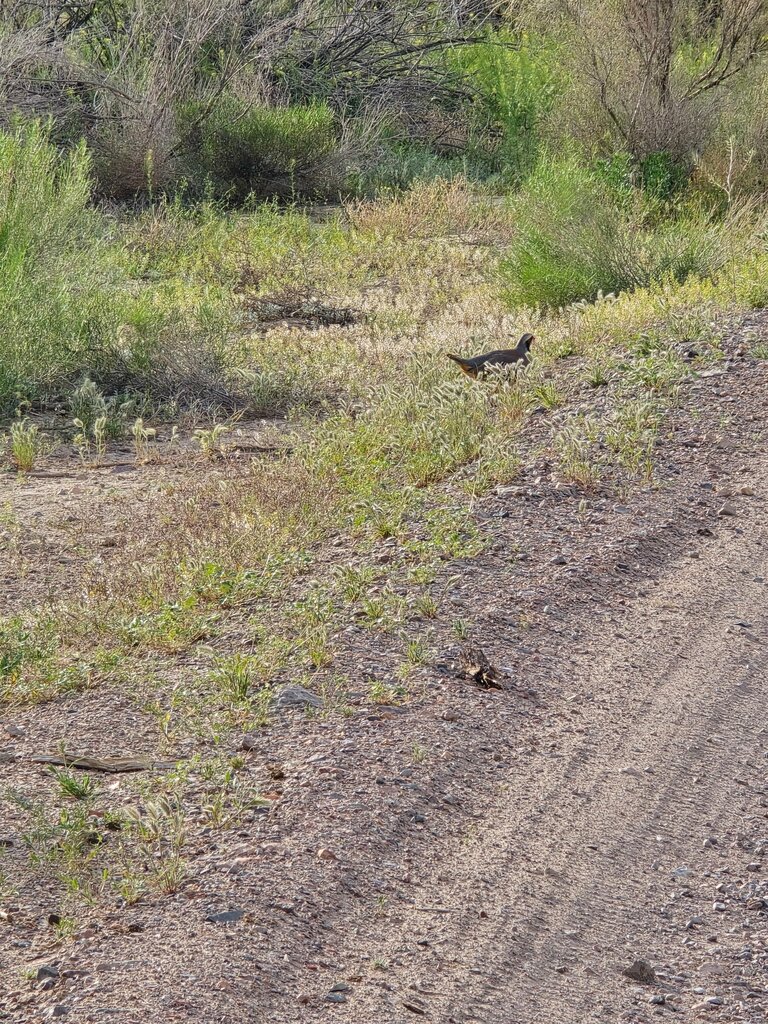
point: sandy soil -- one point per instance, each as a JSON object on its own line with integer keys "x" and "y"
{"x": 608, "y": 805}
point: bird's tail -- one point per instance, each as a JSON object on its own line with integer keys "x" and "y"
{"x": 463, "y": 363}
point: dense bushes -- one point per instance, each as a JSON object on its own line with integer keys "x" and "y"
{"x": 514, "y": 81}
{"x": 580, "y": 232}
{"x": 248, "y": 150}
{"x": 66, "y": 309}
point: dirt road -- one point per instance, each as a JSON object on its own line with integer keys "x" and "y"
{"x": 473, "y": 856}
{"x": 644, "y": 836}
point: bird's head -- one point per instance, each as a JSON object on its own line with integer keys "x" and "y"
{"x": 526, "y": 341}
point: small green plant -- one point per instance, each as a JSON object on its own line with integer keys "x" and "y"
{"x": 548, "y": 394}
{"x": 381, "y": 905}
{"x": 88, "y": 407}
{"x": 210, "y": 439}
{"x": 576, "y": 446}
{"x": 354, "y": 582}
{"x": 380, "y": 693}
{"x": 597, "y": 373}
{"x": 426, "y": 606}
{"x": 141, "y": 437}
{"x": 91, "y": 440}
{"x": 131, "y": 888}
{"x": 100, "y": 437}
{"x": 65, "y": 927}
{"x": 233, "y": 678}
{"x": 25, "y": 445}
{"x": 419, "y": 753}
{"x": 417, "y": 652}
{"x": 87, "y": 404}
{"x": 170, "y": 874}
{"x": 76, "y": 787}
{"x": 461, "y": 629}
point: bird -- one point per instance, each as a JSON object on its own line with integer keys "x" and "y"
{"x": 476, "y": 365}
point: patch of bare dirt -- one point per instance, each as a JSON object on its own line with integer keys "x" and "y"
{"x": 68, "y": 519}
{"x": 482, "y": 854}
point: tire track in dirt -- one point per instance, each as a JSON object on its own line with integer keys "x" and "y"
{"x": 571, "y": 875}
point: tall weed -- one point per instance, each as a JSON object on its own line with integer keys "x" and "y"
{"x": 578, "y": 237}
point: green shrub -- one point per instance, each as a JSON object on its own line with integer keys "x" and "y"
{"x": 48, "y": 251}
{"x": 659, "y": 175}
{"x": 515, "y": 81}
{"x": 245, "y": 150}
{"x": 578, "y": 236}
{"x": 67, "y": 310}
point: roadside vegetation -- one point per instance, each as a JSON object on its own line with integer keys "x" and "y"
{"x": 211, "y": 213}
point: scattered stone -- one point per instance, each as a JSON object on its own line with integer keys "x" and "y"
{"x": 748, "y": 491}
{"x": 295, "y": 696}
{"x": 726, "y": 510}
{"x": 710, "y": 1003}
{"x": 342, "y": 986}
{"x": 754, "y": 866}
{"x": 449, "y": 715}
{"x": 415, "y": 1008}
{"x": 558, "y": 560}
{"x": 719, "y": 906}
{"x": 14, "y": 731}
{"x": 250, "y": 741}
{"x": 640, "y": 971}
{"x": 47, "y": 971}
{"x": 325, "y": 854}
{"x": 659, "y": 1000}
{"x": 336, "y": 997}
{"x": 226, "y": 917}
{"x": 710, "y": 841}
{"x": 59, "y": 1010}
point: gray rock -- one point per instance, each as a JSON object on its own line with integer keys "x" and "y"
{"x": 47, "y": 971}
{"x": 226, "y": 917}
{"x": 336, "y": 997}
{"x": 640, "y": 971}
{"x": 59, "y": 1010}
{"x": 719, "y": 906}
{"x": 295, "y": 696}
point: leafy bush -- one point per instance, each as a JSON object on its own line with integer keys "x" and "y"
{"x": 247, "y": 151}
{"x": 66, "y": 311}
{"x": 515, "y": 81}
{"x": 48, "y": 250}
{"x": 578, "y": 236}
